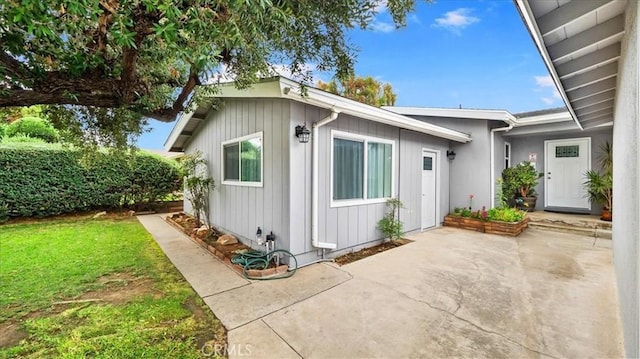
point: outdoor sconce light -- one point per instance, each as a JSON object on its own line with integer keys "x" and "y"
{"x": 303, "y": 133}
{"x": 451, "y": 155}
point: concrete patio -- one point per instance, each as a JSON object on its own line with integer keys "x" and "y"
{"x": 451, "y": 293}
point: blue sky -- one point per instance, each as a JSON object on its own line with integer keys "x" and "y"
{"x": 474, "y": 54}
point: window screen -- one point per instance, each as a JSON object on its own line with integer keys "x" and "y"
{"x": 567, "y": 151}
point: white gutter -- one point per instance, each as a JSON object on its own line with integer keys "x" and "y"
{"x": 315, "y": 177}
{"x": 493, "y": 161}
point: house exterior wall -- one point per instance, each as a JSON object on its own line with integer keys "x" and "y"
{"x": 626, "y": 183}
{"x": 353, "y": 227}
{"x": 410, "y": 181}
{"x": 238, "y": 209}
{"x": 522, "y": 146}
{"x": 471, "y": 158}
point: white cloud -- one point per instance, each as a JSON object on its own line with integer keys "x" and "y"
{"x": 456, "y": 20}
{"x": 545, "y": 84}
{"x": 544, "y": 81}
{"x": 547, "y": 100}
{"x": 380, "y": 6}
{"x": 380, "y": 26}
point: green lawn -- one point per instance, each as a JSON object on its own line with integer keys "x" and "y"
{"x": 98, "y": 288}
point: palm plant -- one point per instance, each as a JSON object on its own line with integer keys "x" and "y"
{"x": 599, "y": 185}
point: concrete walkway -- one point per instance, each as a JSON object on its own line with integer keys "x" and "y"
{"x": 451, "y": 293}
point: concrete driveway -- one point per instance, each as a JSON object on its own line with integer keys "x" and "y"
{"x": 451, "y": 293}
{"x": 455, "y": 293}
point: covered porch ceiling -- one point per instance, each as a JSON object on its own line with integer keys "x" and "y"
{"x": 580, "y": 42}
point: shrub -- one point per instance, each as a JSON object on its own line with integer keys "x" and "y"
{"x": 46, "y": 180}
{"x": 22, "y": 138}
{"x": 505, "y": 214}
{"x": 197, "y": 184}
{"x": 3, "y": 130}
{"x": 33, "y": 127}
{"x": 390, "y": 225}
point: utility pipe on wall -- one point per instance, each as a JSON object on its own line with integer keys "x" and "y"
{"x": 493, "y": 161}
{"x": 314, "y": 184}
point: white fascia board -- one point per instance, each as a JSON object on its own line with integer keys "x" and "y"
{"x": 542, "y": 119}
{"x": 265, "y": 89}
{"x": 530, "y": 22}
{"x": 177, "y": 129}
{"x": 474, "y": 114}
{"x": 291, "y": 90}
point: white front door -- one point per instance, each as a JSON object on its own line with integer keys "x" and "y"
{"x": 566, "y": 162}
{"x": 429, "y": 192}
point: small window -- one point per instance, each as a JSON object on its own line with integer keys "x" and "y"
{"x": 567, "y": 151}
{"x": 427, "y": 163}
{"x": 242, "y": 161}
{"x": 507, "y": 155}
{"x": 362, "y": 169}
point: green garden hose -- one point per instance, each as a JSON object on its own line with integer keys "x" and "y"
{"x": 260, "y": 260}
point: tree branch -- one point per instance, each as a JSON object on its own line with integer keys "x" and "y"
{"x": 169, "y": 114}
{"x": 14, "y": 67}
{"x": 30, "y": 97}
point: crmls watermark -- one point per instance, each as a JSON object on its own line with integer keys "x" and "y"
{"x": 241, "y": 350}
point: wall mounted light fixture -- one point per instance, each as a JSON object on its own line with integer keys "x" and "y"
{"x": 451, "y": 155}
{"x": 303, "y": 133}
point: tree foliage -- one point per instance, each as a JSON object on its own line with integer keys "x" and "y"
{"x": 362, "y": 89}
{"x": 145, "y": 58}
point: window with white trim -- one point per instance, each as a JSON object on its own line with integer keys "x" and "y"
{"x": 242, "y": 161}
{"x": 507, "y": 155}
{"x": 362, "y": 169}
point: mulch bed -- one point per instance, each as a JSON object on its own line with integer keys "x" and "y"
{"x": 187, "y": 224}
{"x": 366, "y": 252}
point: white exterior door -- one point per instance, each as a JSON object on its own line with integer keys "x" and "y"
{"x": 566, "y": 162}
{"x": 429, "y": 189}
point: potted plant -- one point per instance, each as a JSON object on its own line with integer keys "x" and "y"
{"x": 599, "y": 185}
{"x": 520, "y": 182}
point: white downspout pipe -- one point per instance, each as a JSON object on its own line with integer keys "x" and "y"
{"x": 493, "y": 161}
{"x": 314, "y": 184}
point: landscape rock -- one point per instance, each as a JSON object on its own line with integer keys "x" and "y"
{"x": 227, "y": 239}
{"x": 202, "y": 231}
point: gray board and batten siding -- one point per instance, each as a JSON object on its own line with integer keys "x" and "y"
{"x": 240, "y": 209}
{"x": 283, "y": 204}
{"x": 522, "y": 146}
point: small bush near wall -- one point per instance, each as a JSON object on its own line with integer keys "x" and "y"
{"x": 38, "y": 180}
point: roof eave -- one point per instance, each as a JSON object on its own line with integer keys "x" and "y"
{"x": 529, "y": 19}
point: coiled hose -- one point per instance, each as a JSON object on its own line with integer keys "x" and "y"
{"x": 260, "y": 260}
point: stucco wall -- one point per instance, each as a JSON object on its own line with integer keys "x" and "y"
{"x": 238, "y": 209}
{"x": 626, "y": 183}
{"x": 522, "y": 146}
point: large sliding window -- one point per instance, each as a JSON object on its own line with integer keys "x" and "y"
{"x": 242, "y": 161}
{"x": 362, "y": 169}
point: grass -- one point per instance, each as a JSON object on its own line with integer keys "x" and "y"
{"x": 144, "y": 308}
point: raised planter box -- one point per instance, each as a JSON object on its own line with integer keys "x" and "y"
{"x": 492, "y": 227}
{"x": 464, "y": 222}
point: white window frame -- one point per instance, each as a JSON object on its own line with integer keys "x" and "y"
{"x": 507, "y": 154}
{"x": 239, "y": 141}
{"x": 365, "y": 139}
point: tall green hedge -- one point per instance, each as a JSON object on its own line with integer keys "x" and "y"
{"x": 46, "y": 180}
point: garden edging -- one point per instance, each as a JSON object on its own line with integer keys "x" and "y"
{"x": 492, "y": 227}
{"x": 268, "y": 272}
